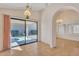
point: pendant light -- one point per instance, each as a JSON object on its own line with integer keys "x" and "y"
{"x": 27, "y": 12}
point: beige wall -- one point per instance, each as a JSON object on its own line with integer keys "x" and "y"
{"x": 1, "y": 31}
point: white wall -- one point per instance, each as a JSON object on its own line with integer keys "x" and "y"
{"x": 48, "y": 27}
{"x": 1, "y": 32}
{"x": 19, "y": 13}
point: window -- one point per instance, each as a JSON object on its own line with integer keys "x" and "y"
{"x": 61, "y": 28}
{"x": 68, "y": 28}
{"x": 76, "y": 28}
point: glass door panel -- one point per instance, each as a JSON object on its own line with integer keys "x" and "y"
{"x": 31, "y": 32}
{"x": 17, "y": 34}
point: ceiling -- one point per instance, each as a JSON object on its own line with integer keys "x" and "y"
{"x": 22, "y": 6}
{"x": 34, "y": 6}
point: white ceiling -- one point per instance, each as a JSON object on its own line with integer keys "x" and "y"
{"x": 34, "y": 6}
{"x": 22, "y": 6}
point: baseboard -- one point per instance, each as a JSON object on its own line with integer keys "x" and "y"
{"x": 65, "y": 39}
{"x": 2, "y": 50}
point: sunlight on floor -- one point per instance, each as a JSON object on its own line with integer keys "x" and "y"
{"x": 14, "y": 44}
{"x": 17, "y": 48}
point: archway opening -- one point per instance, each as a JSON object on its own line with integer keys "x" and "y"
{"x": 67, "y": 26}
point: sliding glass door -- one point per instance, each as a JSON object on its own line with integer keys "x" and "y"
{"x": 31, "y": 31}
{"x": 23, "y": 32}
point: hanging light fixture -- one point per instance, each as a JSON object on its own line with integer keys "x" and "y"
{"x": 27, "y": 12}
{"x": 59, "y": 21}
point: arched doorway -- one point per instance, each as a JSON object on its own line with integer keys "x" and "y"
{"x": 66, "y": 20}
